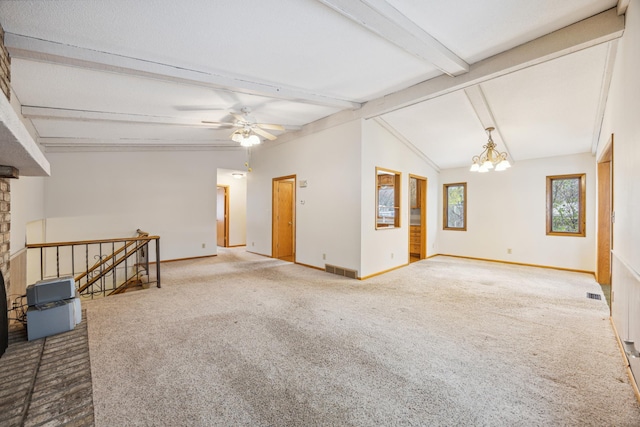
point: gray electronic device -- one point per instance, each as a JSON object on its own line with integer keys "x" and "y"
{"x": 50, "y": 318}
{"x": 50, "y": 290}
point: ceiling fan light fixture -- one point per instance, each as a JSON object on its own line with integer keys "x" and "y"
{"x": 490, "y": 158}
{"x": 254, "y": 140}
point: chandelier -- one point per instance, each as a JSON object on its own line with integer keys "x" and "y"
{"x": 490, "y": 157}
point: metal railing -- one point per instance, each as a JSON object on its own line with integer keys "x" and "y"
{"x": 106, "y": 267}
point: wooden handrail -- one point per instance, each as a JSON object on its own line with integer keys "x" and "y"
{"x": 103, "y": 261}
{"x": 88, "y": 242}
{"x": 115, "y": 264}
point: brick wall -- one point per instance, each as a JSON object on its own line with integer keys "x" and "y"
{"x": 5, "y": 228}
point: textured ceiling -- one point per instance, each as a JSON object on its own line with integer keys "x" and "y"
{"x": 122, "y": 73}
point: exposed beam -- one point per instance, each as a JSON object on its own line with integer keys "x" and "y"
{"x": 393, "y": 131}
{"x": 25, "y": 47}
{"x": 53, "y": 145}
{"x": 36, "y": 112}
{"x": 478, "y": 101}
{"x": 386, "y": 21}
{"x": 622, "y": 6}
{"x": 17, "y": 146}
{"x": 604, "y": 94}
{"x": 33, "y": 112}
{"x": 601, "y": 28}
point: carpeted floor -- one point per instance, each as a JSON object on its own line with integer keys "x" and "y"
{"x": 241, "y": 339}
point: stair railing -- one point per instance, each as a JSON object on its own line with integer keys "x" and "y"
{"x": 107, "y": 266}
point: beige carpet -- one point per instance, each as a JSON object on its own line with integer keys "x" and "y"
{"x": 242, "y": 339}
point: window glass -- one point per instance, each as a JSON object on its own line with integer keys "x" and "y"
{"x": 455, "y": 206}
{"x": 565, "y": 205}
{"x": 387, "y": 198}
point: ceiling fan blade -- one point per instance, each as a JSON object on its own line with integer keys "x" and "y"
{"x": 270, "y": 126}
{"x": 238, "y": 117}
{"x": 218, "y": 124}
{"x": 264, "y": 133}
{"x": 199, "y": 108}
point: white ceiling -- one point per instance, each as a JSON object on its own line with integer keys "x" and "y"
{"x": 91, "y": 73}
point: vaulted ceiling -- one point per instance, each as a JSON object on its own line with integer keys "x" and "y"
{"x": 120, "y": 74}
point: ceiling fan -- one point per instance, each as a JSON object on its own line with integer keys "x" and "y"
{"x": 248, "y": 129}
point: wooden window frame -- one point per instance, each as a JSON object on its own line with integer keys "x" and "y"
{"x": 445, "y": 210}
{"x": 582, "y": 215}
{"x": 397, "y": 178}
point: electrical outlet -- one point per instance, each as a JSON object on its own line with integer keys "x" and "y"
{"x": 204, "y": 245}
{"x": 509, "y": 250}
{"x": 324, "y": 256}
{"x": 253, "y": 243}
{"x": 391, "y": 255}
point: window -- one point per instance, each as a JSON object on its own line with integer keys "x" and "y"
{"x": 387, "y": 198}
{"x": 455, "y": 206}
{"x": 566, "y": 205}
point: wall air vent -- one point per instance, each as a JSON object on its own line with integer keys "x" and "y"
{"x": 594, "y": 296}
{"x": 341, "y": 271}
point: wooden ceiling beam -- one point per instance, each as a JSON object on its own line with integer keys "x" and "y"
{"x": 31, "y": 48}
{"x": 604, "y": 27}
{"x": 386, "y": 21}
{"x": 478, "y": 101}
{"x": 601, "y": 28}
{"x": 51, "y": 113}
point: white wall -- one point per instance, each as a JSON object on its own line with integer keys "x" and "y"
{"x": 93, "y": 195}
{"x": 327, "y": 210}
{"x": 27, "y": 205}
{"x": 381, "y": 149}
{"x": 237, "y": 205}
{"x": 508, "y": 210}
{"x": 621, "y": 119}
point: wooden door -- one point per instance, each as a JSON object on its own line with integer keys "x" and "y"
{"x": 284, "y": 218}
{"x": 417, "y": 218}
{"x": 605, "y": 211}
{"x": 222, "y": 216}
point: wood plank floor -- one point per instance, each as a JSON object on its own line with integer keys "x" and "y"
{"x": 47, "y": 381}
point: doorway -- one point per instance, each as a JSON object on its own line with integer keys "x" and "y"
{"x": 417, "y": 218}
{"x": 283, "y": 221}
{"x": 222, "y": 215}
{"x": 605, "y": 219}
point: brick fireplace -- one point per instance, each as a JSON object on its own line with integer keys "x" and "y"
{"x": 5, "y": 229}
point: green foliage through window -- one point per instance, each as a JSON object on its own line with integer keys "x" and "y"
{"x": 565, "y": 204}
{"x": 455, "y": 206}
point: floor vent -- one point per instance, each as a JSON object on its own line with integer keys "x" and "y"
{"x": 594, "y": 296}
{"x": 340, "y": 271}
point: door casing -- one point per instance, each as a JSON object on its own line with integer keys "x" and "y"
{"x": 222, "y": 215}
{"x": 421, "y": 187}
{"x": 283, "y": 218}
{"x": 605, "y": 212}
